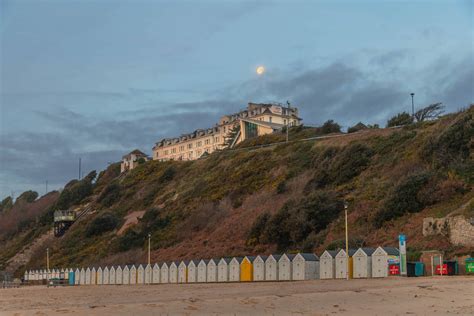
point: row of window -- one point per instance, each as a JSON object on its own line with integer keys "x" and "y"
{"x": 190, "y": 146}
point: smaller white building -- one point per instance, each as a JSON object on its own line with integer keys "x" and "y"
{"x": 234, "y": 269}
{"x": 100, "y": 276}
{"x": 119, "y": 275}
{"x": 132, "y": 160}
{"x": 126, "y": 274}
{"x": 192, "y": 271}
{"x": 156, "y": 274}
{"x": 259, "y": 268}
{"x": 77, "y": 276}
{"x": 341, "y": 263}
{"x": 271, "y": 267}
{"x": 133, "y": 274}
{"x": 362, "y": 263}
{"x": 148, "y": 274}
{"x": 211, "y": 273}
{"x": 183, "y": 272}
{"x": 173, "y": 272}
{"x": 285, "y": 267}
{"x": 88, "y": 276}
{"x": 223, "y": 270}
{"x": 380, "y": 260}
{"x": 106, "y": 276}
{"x": 327, "y": 264}
{"x": 305, "y": 266}
{"x": 164, "y": 270}
{"x": 141, "y": 275}
{"x": 202, "y": 271}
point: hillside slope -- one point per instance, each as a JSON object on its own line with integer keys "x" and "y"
{"x": 285, "y": 197}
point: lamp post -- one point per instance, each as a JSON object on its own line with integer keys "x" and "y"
{"x": 149, "y": 248}
{"x": 47, "y": 266}
{"x": 347, "y": 240}
{"x": 412, "y": 106}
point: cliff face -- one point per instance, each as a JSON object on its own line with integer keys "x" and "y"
{"x": 285, "y": 197}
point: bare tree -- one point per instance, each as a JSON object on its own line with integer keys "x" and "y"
{"x": 431, "y": 112}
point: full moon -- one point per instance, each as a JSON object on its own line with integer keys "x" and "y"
{"x": 260, "y": 70}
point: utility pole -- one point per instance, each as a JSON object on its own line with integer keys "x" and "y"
{"x": 412, "y": 106}
{"x": 46, "y": 187}
{"x": 347, "y": 241}
{"x": 149, "y": 257}
{"x": 47, "y": 266}
{"x": 288, "y": 120}
{"x": 79, "y": 168}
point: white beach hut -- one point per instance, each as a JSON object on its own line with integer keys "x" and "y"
{"x": 183, "y": 272}
{"x": 126, "y": 274}
{"x": 156, "y": 274}
{"x": 148, "y": 274}
{"x": 380, "y": 260}
{"x": 112, "y": 276}
{"x": 362, "y": 263}
{"x": 93, "y": 276}
{"x": 173, "y": 272}
{"x": 133, "y": 274}
{"x": 192, "y": 271}
{"x": 341, "y": 263}
{"x": 29, "y": 275}
{"x": 77, "y": 276}
{"x": 234, "y": 269}
{"x": 259, "y": 268}
{"x": 106, "y": 276}
{"x": 285, "y": 267}
{"x": 223, "y": 270}
{"x": 202, "y": 271}
{"x": 88, "y": 276}
{"x": 211, "y": 273}
{"x": 164, "y": 271}
{"x": 271, "y": 267}
{"x": 305, "y": 266}
{"x": 327, "y": 264}
{"x": 119, "y": 275}
{"x": 100, "y": 276}
{"x": 141, "y": 275}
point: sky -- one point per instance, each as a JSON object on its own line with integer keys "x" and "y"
{"x": 96, "y": 79}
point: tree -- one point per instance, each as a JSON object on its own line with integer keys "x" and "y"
{"x": 6, "y": 204}
{"x": 330, "y": 127}
{"x": 27, "y": 197}
{"x": 231, "y": 135}
{"x": 400, "y": 119}
{"x": 431, "y": 112}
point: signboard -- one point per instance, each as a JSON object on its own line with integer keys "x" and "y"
{"x": 394, "y": 269}
{"x": 442, "y": 272}
{"x": 276, "y": 109}
{"x": 403, "y": 254}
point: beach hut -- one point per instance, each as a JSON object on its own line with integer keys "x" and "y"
{"x": 112, "y": 275}
{"x": 126, "y": 274}
{"x": 327, "y": 264}
{"x": 223, "y": 270}
{"x": 341, "y": 263}
{"x": 119, "y": 275}
{"x": 305, "y": 266}
{"x": 133, "y": 274}
{"x": 82, "y": 277}
{"x": 211, "y": 274}
{"x": 148, "y": 274}
{"x": 259, "y": 268}
{"x": 284, "y": 267}
{"x": 141, "y": 275}
{"x": 106, "y": 276}
{"x": 173, "y": 272}
{"x": 271, "y": 267}
{"x": 164, "y": 271}
{"x": 100, "y": 276}
{"x": 77, "y": 276}
{"x": 93, "y": 276}
{"x": 202, "y": 271}
{"x": 155, "y": 274}
{"x": 183, "y": 272}
{"x": 88, "y": 276}
{"x": 362, "y": 263}
{"x": 234, "y": 269}
{"x": 29, "y": 275}
{"x": 246, "y": 269}
{"x": 380, "y": 260}
{"x": 192, "y": 271}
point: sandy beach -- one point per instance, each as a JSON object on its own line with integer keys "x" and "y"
{"x": 391, "y": 296}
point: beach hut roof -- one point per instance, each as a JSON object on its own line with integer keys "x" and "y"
{"x": 263, "y": 257}
{"x": 368, "y": 251}
{"x": 251, "y": 258}
{"x": 391, "y": 251}
{"x": 226, "y": 260}
{"x": 276, "y": 257}
{"x": 309, "y": 256}
{"x": 332, "y": 253}
{"x": 239, "y": 259}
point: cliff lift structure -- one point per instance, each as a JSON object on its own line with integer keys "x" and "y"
{"x": 63, "y": 219}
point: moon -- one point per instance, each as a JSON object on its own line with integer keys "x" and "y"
{"x": 260, "y": 70}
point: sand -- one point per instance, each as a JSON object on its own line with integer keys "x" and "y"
{"x": 391, "y": 296}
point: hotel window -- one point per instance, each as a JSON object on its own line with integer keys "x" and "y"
{"x": 166, "y": 152}
{"x": 190, "y": 146}
{"x": 216, "y": 139}
{"x": 173, "y": 150}
{"x": 207, "y": 141}
{"x": 156, "y": 154}
{"x": 181, "y": 148}
{"x": 224, "y": 129}
{"x": 284, "y": 122}
{"x": 190, "y": 154}
{"x": 270, "y": 119}
{"x": 199, "y": 144}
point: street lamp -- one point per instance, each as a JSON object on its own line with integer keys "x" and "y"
{"x": 347, "y": 240}
{"x": 47, "y": 266}
{"x": 412, "y": 106}
{"x": 149, "y": 257}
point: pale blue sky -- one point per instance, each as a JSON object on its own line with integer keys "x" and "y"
{"x": 95, "y": 79}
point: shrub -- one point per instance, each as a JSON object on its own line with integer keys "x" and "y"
{"x": 109, "y": 195}
{"x": 350, "y": 163}
{"x": 6, "y": 204}
{"x": 257, "y": 229}
{"x": 131, "y": 239}
{"x": 75, "y": 191}
{"x": 27, "y": 197}
{"x": 330, "y": 127}
{"x": 101, "y": 224}
{"x": 403, "y": 199}
{"x": 400, "y": 119}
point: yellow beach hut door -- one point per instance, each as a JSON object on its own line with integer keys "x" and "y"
{"x": 246, "y": 270}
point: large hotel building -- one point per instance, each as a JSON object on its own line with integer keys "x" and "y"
{"x": 256, "y": 120}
